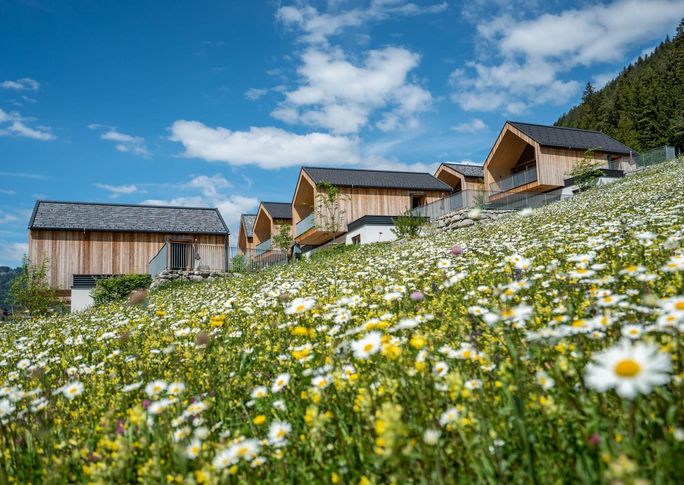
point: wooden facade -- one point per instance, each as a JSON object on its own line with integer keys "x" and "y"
{"x": 514, "y": 152}
{"x": 101, "y": 253}
{"x": 245, "y": 242}
{"x": 457, "y": 181}
{"x": 266, "y": 226}
{"x": 353, "y": 203}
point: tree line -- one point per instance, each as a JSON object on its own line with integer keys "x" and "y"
{"x": 643, "y": 107}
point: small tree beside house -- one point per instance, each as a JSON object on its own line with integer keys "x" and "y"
{"x": 330, "y": 213}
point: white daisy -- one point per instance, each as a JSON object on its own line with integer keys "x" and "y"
{"x": 449, "y": 416}
{"x": 300, "y": 305}
{"x": 280, "y": 382}
{"x": 278, "y": 431}
{"x": 367, "y": 346}
{"x": 155, "y": 388}
{"x": 193, "y": 450}
{"x": 629, "y": 368}
{"x": 73, "y": 389}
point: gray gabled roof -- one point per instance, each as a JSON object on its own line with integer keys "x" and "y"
{"x": 278, "y": 210}
{"x": 467, "y": 170}
{"x": 247, "y": 221}
{"x": 90, "y": 216}
{"x": 380, "y": 179}
{"x": 562, "y": 137}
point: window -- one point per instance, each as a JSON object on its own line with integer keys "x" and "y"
{"x": 417, "y": 201}
{"x": 356, "y": 239}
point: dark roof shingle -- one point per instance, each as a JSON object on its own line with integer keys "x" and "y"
{"x": 278, "y": 210}
{"x": 87, "y": 216}
{"x": 247, "y": 220}
{"x": 562, "y": 137}
{"x": 467, "y": 170}
{"x": 381, "y": 179}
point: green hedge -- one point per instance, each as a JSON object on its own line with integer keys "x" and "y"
{"x": 108, "y": 290}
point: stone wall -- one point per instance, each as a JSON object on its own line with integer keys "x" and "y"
{"x": 468, "y": 217}
{"x": 167, "y": 276}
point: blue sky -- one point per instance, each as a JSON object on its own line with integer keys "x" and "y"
{"x": 217, "y": 103}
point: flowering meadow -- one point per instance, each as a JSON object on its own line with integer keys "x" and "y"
{"x": 543, "y": 347}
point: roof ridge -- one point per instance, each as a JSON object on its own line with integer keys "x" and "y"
{"x": 370, "y": 170}
{"x": 561, "y": 128}
{"x": 119, "y": 204}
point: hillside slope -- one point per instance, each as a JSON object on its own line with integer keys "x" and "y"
{"x": 643, "y": 106}
{"x": 402, "y": 362}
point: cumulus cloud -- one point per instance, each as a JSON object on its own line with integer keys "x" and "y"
{"x": 266, "y": 147}
{"x": 255, "y": 93}
{"x": 317, "y": 26}
{"x": 23, "y": 84}
{"x": 210, "y": 194}
{"x": 338, "y": 95}
{"x": 13, "y": 123}
{"x": 472, "y": 126}
{"x": 123, "y": 142}
{"x": 532, "y": 56}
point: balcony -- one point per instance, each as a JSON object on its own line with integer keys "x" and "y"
{"x": 264, "y": 247}
{"x": 304, "y": 225}
{"x": 516, "y": 180}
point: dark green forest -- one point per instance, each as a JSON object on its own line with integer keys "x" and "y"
{"x": 7, "y": 274}
{"x": 643, "y": 107}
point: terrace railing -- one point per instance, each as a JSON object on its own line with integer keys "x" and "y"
{"x": 456, "y": 201}
{"x": 264, "y": 247}
{"x": 304, "y": 225}
{"x": 212, "y": 257}
{"x": 160, "y": 261}
{"x": 515, "y": 180}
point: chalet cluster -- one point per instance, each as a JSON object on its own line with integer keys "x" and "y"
{"x": 86, "y": 241}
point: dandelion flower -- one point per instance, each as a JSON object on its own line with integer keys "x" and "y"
{"x": 629, "y": 368}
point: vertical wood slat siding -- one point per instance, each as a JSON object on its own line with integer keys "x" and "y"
{"x": 76, "y": 252}
{"x": 553, "y": 164}
{"x": 377, "y": 202}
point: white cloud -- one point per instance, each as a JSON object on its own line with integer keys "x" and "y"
{"x": 472, "y": 126}
{"x": 13, "y": 123}
{"x": 340, "y": 96}
{"x": 6, "y": 217}
{"x": 210, "y": 195}
{"x": 23, "y": 84}
{"x": 117, "y": 190}
{"x": 532, "y": 55}
{"x": 12, "y": 252}
{"x": 8, "y": 192}
{"x": 317, "y": 26}
{"x": 123, "y": 142}
{"x": 255, "y": 93}
{"x": 266, "y": 147}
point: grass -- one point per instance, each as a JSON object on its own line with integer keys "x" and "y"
{"x": 388, "y": 363}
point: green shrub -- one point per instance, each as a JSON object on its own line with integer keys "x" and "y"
{"x": 30, "y": 290}
{"x": 586, "y": 172}
{"x": 109, "y": 290}
{"x": 408, "y": 225}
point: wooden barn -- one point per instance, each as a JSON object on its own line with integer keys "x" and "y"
{"x": 361, "y": 193}
{"x": 82, "y": 241}
{"x": 537, "y": 158}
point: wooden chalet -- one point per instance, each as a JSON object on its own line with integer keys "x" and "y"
{"x": 461, "y": 176}
{"x": 537, "y": 158}
{"x": 93, "y": 239}
{"x": 246, "y": 233}
{"x": 269, "y": 218}
{"x": 361, "y": 193}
